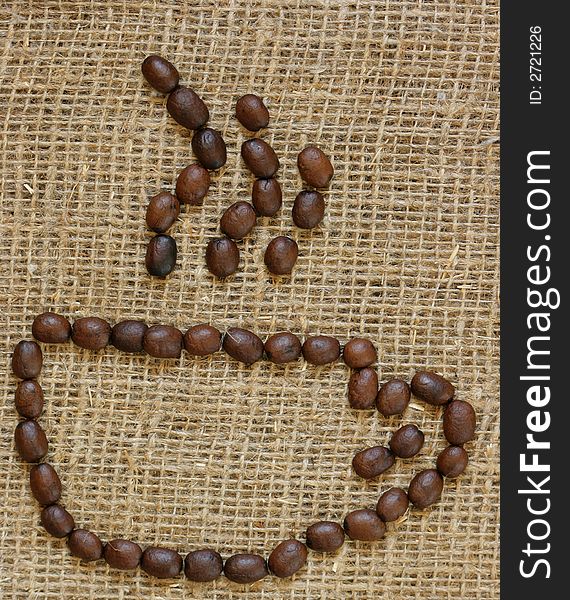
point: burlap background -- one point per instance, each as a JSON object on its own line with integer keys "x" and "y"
{"x": 403, "y": 95}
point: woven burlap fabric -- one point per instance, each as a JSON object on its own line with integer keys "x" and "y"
{"x": 403, "y": 95}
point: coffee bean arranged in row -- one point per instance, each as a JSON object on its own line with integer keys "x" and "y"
{"x": 359, "y": 353}
{"x": 161, "y": 255}
{"x": 315, "y": 167}
{"x": 27, "y": 360}
{"x": 393, "y": 397}
{"x": 51, "y": 328}
{"x": 287, "y": 558}
{"x": 325, "y": 536}
{"x": 452, "y": 461}
{"x": 45, "y": 484}
{"x": 203, "y": 565}
{"x": 392, "y": 504}
{"x": 371, "y": 462}
{"x": 260, "y": 158}
{"x": 162, "y": 211}
{"x": 432, "y": 388}
{"x": 459, "y": 422}
{"x": 425, "y": 488}
{"x": 193, "y": 184}
{"x": 282, "y": 348}
{"x": 362, "y": 389}
{"x": 29, "y": 399}
{"x": 187, "y": 108}
{"x": 161, "y": 74}
{"x": 245, "y": 568}
{"x": 210, "y": 149}
{"x": 85, "y": 545}
{"x": 252, "y": 113}
{"x": 162, "y": 563}
{"x": 407, "y": 441}
{"x": 364, "y": 525}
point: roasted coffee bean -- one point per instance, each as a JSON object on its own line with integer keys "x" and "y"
{"x": 282, "y": 347}
{"x": 27, "y": 360}
{"x": 260, "y": 158}
{"x": 210, "y": 149}
{"x": 238, "y": 220}
{"x": 162, "y": 211}
{"x": 245, "y": 568}
{"x": 29, "y": 399}
{"x": 243, "y": 345}
{"x": 31, "y": 441}
{"x": 364, "y": 525}
{"x": 281, "y": 255}
{"x": 203, "y": 565}
{"x": 51, "y": 328}
{"x": 161, "y": 562}
{"x": 85, "y": 545}
{"x": 393, "y": 397}
{"x": 91, "y": 333}
{"x": 432, "y": 388}
{"x": 160, "y": 73}
{"x": 359, "y": 353}
{"x": 407, "y": 441}
{"x": 45, "y": 484}
{"x": 308, "y": 209}
{"x": 362, "y": 389}
{"x": 321, "y": 349}
{"x": 187, "y": 108}
{"x": 287, "y": 558}
{"x": 57, "y": 521}
{"x": 459, "y": 422}
{"x": 201, "y": 340}
{"x": 161, "y": 255}
{"x": 325, "y": 536}
{"x": 222, "y": 257}
{"x": 425, "y": 488}
{"x": 371, "y": 462}
{"x": 192, "y": 185}
{"x": 122, "y": 554}
{"x": 266, "y": 197}
{"x": 452, "y": 461}
{"x": 163, "y": 341}
{"x": 252, "y": 113}
{"x": 315, "y": 167}
{"x": 392, "y": 504}
{"x": 128, "y": 335}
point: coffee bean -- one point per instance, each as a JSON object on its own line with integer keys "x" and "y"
{"x": 287, "y": 558}
{"x": 187, "y": 108}
{"x": 266, "y": 197}
{"x": 222, "y": 257}
{"x": 192, "y": 185}
{"x": 122, "y": 554}
{"x": 238, "y": 220}
{"x": 371, "y": 462}
{"x": 315, "y": 167}
{"x": 452, "y": 461}
{"x": 243, "y": 345}
{"x": 51, "y": 328}
{"x": 252, "y": 113}
{"x": 362, "y": 389}
{"x": 425, "y": 488}
{"x": 359, "y": 353}
{"x": 162, "y": 211}
{"x": 459, "y": 422}
{"x": 85, "y": 545}
{"x": 407, "y": 441}
{"x": 321, "y": 349}
{"x": 392, "y": 504}
{"x": 57, "y": 521}
{"x": 31, "y": 441}
{"x": 325, "y": 536}
{"x": 308, "y": 209}
{"x": 161, "y": 255}
{"x": 245, "y": 568}
{"x": 27, "y": 360}
{"x": 201, "y": 340}
{"x": 432, "y": 388}
{"x": 210, "y": 149}
{"x": 29, "y": 399}
{"x": 45, "y": 484}
{"x": 364, "y": 525}
{"x": 260, "y": 158}
{"x": 203, "y": 565}
{"x": 91, "y": 333}
{"x": 162, "y": 563}
{"x": 163, "y": 341}
{"x": 128, "y": 335}
{"x": 393, "y": 397}
{"x": 160, "y": 73}
{"x": 282, "y": 348}
{"x": 281, "y": 255}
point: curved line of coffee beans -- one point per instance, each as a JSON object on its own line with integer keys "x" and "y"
{"x": 163, "y": 341}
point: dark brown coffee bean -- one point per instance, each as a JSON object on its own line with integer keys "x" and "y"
{"x": 162, "y": 211}
{"x": 51, "y": 328}
{"x": 359, "y": 353}
{"x": 392, "y": 504}
{"x": 27, "y": 360}
{"x": 192, "y": 185}
{"x": 266, "y": 197}
{"x": 31, "y": 441}
{"x": 128, "y": 335}
{"x": 29, "y": 399}
{"x": 187, "y": 108}
{"x": 425, "y": 488}
{"x": 85, "y": 545}
{"x": 222, "y": 257}
{"x": 362, "y": 389}
{"x": 321, "y": 349}
{"x": 238, "y": 220}
{"x": 407, "y": 441}
{"x": 432, "y": 388}
{"x": 260, "y": 158}
{"x": 281, "y": 255}
{"x": 203, "y": 565}
{"x": 162, "y": 563}
{"x": 201, "y": 340}
{"x": 45, "y": 484}
{"x": 245, "y": 568}
{"x": 161, "y": 255}
{"x": 364, "y": 525}
{"x": 122, "y": 554}
{"x": 160, "y": 73}
{"x": 163, "y": 341}
{"x": 325, "y": 536}
{"x": 287, "y": 558}
{"x": 452, "y": 461}
{"x": 282, "y": 347}
{"x": 393, "y": 397}
{"x": 243, "y": 345}
{"x": 91, "y": 333}
{"x": 371, "y": 462}
{"x": 459, "y": 422}
{"x": 308, "y": 209}
{"x": 210, "y": 149}
{"x": 315, "y": 167}
{"x": 252, "y": 113}
{"x": 57, "y": 521}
